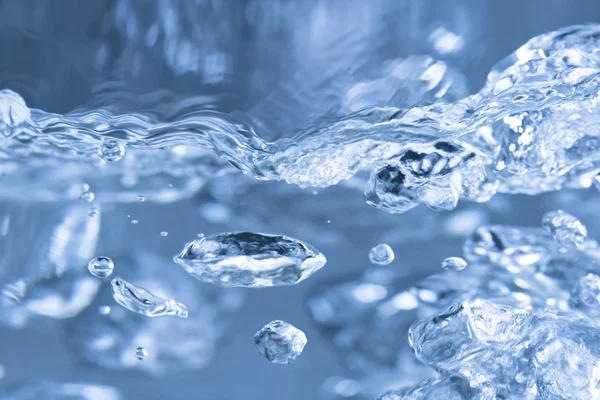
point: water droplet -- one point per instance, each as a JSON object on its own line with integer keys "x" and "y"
{"x": 134, "y": 221}
{"x": 101, "y": 267}
{"x": 454, "y": 264}
{"x": 92, "y": 212}
{"x": 87, "y": 196}
{"x": 111, "y": 150}
{"x": 141, "y": 301}
{"x": 382, "y": 254}
{"x": 141, "y": 198}
{"x": 141, "y": 353}
{"x": 328, "y": 221}
{"x": 164, "y": 233}
{"x": 567, "y": 230}
{"x": 280, "y": 342}
{"x": 249, "y": 259}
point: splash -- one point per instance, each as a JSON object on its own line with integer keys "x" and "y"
{"x": 532, "y": 126}
{"x": 519, "y": 322}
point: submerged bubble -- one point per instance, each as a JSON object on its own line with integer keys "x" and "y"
{"x": 87, "y": 196}
{"x": 141, "y": 353}
{"x": 101, "y": 267}
{"x": 141, "y": 198}
{"x": 454, "y": 264}
{"x": 93, "y": 212}
{"x": 104, "y": 310}
{"x": 567, "y": 230}
{"x": 280, "y": 342}
{"x": 250, "y": 259}
{"x": 382, "y": 254}
{"x": 143, "y": 302}
{"x": 111, "y": 150}
{"x": 164, "y": 233}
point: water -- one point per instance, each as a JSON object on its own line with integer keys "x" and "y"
{"x": 141, "y": 353}
{"x": 280, "y": 342}
{"x": 141, "y": 301}
{"x": 292, "y": 133}
{"x": 567, "y": 230}
{"x": 250, "y": 260}
{"x": 382, "y": 254}
{"x": 454, "y": 263}
{"x": 101, "y": 267}
{"x": 66, "y": 391}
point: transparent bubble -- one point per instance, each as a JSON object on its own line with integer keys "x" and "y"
{"x": 111, "y": 150}
{"x": 280, "y": 342}
{"x": 141, "y": 353}
{"x": 101, "y": 267}
{"x": 382, "y": 254}
{"x": 454, "y": 264}
{"x": 87, "y": 196}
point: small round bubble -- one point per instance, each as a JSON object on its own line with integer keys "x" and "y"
{"x": 382, "y": 254}
{"x": 104, "y": 310}
{"x": 111, "y": 150}
{"x": 101, "y": 267}
{"x": 92, "y": 212}
{"x": 164, "y": 233}
{"x": 454, "y": 264}
{"x": 141, "y": 353}
{"x": 87, "y": 196}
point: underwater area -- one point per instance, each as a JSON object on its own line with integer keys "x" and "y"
{"x": 317, "y": 199}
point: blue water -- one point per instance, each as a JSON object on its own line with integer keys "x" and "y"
{"x": 128, "y": 128}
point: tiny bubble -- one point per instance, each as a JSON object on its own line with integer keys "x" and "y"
{"x": 111, "y": 150}
{"x": 104, "y": 310}
{"x": 87, "y": 196}
{"x": 141, "y": 353}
